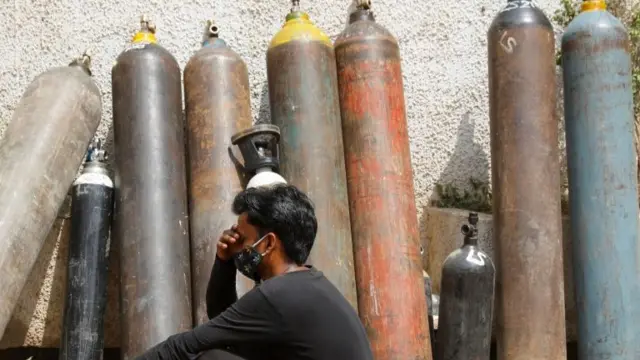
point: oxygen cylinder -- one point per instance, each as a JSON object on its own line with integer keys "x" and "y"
{"x": 151, "y": 221}
{"x": 91, "y": 210}
{"x": 526, "y": 184}
{"x": 602, "y": 183}
{"x": 40, "y": 154}
{"x": 466, "y": 300}
{"x": 380, "y": 182}
{"x": 259, "y": 148}
{"x": 303, "y": 95}
{"x": 216, "y": 87}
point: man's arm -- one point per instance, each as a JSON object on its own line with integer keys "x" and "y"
{"x": 250, "y": 320}
{"x": 221, "y": 290}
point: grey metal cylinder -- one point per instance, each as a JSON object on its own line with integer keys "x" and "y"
{"x": 40, "y": 154}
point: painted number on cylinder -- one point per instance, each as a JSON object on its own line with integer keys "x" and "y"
{"x": 508, "y": 43}
{"x": 476, "y": 257}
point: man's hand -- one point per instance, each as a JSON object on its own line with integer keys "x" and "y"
{"x": 229, "y": 244}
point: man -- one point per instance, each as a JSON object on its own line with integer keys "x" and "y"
{"x": 294, "y": 313}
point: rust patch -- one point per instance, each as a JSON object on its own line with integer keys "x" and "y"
{"x": 381, "y": 198}
{"x": 583, "y": 43}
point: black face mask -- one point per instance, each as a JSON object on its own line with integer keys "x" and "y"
{"x": 247, "y": 261}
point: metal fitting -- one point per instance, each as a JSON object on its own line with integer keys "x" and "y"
{"x": 212, "y": 29}
{"x": 295, "y": 5}
{"x": 147, "y": 25}
{"x": 363, "y": 4}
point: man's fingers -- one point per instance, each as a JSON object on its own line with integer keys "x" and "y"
{"x": 231, "y": 234}
{"x": 228, "y": 239}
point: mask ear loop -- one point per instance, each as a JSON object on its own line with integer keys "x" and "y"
{"x": 258, "y": 242}
{"x": 258, "y": 280}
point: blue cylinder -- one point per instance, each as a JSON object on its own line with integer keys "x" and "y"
{"x": 602, "y": 184}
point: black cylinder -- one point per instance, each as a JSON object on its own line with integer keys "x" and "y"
{"x": 91, "y": 210}
{"x": 151, "y": 222}
{"x": 466, "y": 301}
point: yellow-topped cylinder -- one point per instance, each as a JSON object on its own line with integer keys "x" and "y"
{"x": 593, "y": 5}
{"x": 147, "y": 32}
{"x": 303, "y": 97}
{"x": 299, "y": 27}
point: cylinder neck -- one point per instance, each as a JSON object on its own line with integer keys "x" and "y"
{"x": 95, "y": 167}
{"x": 360, "y": 15}
{"x": 471, "y": 240}
{"x": 593, "y": 5}
{"x": 299, "y": 16}
{"x": 470, "y": 231}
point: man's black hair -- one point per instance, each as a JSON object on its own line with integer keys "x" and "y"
{"x": 283, "y": 210}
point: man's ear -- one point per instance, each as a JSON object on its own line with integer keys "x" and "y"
{"x": 271, "y": 242}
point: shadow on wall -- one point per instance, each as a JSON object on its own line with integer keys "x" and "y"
{"x": 469, "y": 160}
{"x": 264, "y": 113}
{"x": 108, "y": 146}
{"x": 44, "y": 283}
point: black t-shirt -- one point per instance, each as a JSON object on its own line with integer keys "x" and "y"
{"x": 299, "y": 315}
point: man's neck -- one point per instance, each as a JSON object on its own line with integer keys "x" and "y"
{"x": 282, "y": 269}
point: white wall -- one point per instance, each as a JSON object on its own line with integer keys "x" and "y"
{"x": 443, "y": 44}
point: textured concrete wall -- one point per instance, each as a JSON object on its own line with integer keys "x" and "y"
{"x": 443, "y": 44}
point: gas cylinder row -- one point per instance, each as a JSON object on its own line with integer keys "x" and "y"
{"x": 341, "y": 115}
{"x": 599, "y": 122}
{"x": 356, "y": 167}
{"x": 352, "y": 182}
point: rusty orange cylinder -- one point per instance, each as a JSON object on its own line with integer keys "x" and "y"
{"x": 391, "y": 293}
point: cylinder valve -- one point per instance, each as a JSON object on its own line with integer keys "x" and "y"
{"x": 259, "y": 148}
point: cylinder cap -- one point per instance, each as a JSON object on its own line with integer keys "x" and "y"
{"x": 593, "y": 5}
{"x": 363, "y": 4}
{"x": 259, "y": 147}
{"x": 298, "y": 26}
{"x": 147, "y": 32}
